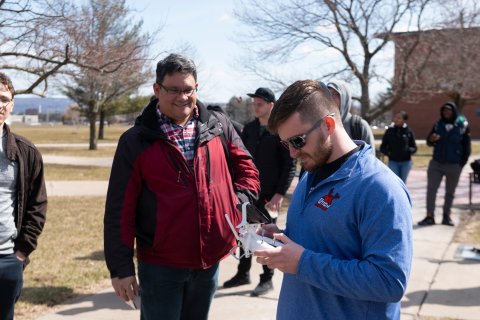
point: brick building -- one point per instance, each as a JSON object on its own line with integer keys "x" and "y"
{"x": 438, "y": 66}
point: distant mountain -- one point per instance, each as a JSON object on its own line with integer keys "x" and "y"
{"x": 56, "y": 105}
{"x": 43, "y": 105}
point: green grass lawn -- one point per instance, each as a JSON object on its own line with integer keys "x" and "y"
{"x": 68, "y": 172}
{"x": 69, "y": 259}
{"x": 65, "y": 134}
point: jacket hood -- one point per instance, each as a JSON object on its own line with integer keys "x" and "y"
{"x": 452, "y": 106}
{"x": 343, "y": 90}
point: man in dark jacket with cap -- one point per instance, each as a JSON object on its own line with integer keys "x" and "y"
{"x": 450, "y": 138}
{"x": 276, "y": 171}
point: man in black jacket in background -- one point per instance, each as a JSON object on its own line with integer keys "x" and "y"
{"x": 276, "y": 170}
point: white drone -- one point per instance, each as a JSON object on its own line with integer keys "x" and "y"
{"x": 247, "y": 237}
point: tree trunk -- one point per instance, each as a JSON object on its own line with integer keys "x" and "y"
{"x": 101, "y": 125}
{"x": 93, "y": 136}
{"x": 92, "y": 118}
{"x": 365, "y": 101}
{"x": 459, "y": 102}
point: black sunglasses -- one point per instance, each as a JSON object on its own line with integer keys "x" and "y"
{"x": 300, "y": 140}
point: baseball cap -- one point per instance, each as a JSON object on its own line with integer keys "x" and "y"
{"x": 264, "y": 93}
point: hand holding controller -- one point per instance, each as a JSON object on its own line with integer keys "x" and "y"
{"x": 247, "y": 236}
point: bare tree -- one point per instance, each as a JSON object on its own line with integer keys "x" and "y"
{"x": 458, "y": 13}
{"x": 356, "y": 30}
{"x": 34, "y": 44}
{"x": 105, "y": 37}
{"x": 31, "y": 42}
{"x": 130, "y": 107}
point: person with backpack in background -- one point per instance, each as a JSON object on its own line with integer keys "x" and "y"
{"x": 398, "y": 144}
{"x": 356, "y": 127}
{"x": 450, "y": 139}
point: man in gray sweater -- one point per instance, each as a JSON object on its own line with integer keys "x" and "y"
{"x": 23, "y": 203}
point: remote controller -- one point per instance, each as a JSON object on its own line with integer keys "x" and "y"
{"x": 247, "y": 237}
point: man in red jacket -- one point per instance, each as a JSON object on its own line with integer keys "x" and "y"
{"x": 175, "y": 175}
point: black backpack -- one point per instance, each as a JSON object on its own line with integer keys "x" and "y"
{"x": 356, "y": 127}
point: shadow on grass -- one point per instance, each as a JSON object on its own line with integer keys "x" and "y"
{"x": 47, "y": 295}
{"x": 72, "y": 304}
{"x": 95, "y": 256}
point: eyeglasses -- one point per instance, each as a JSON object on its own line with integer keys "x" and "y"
{"x": 177, "y": 92}
{"x": 299, "y": 141}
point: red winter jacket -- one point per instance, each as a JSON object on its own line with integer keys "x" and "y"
{"x": 175, "y": 214}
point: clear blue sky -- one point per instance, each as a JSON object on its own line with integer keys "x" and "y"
{"x": 209, "y": 27}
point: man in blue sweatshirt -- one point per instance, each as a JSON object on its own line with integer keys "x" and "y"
{"x": 348, "y": 240}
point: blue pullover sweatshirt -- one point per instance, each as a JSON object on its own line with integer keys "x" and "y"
{"x": 356, "y": 228}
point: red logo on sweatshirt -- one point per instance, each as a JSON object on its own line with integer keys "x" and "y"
{"x": 326, "y": 201}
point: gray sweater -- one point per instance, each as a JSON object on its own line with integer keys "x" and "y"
{"x": 8, "y": 192}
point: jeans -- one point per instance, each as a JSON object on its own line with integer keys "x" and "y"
{"x": 175, "y": 293}
{"x": 401, "y": 168}
{"x": 11, "y": 282}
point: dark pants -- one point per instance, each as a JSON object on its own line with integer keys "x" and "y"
{"x": 176, "y": 293}
{"x": 245, "y": 265}
{"x": 435, "y": 172}
{"x": 11, "y": 282}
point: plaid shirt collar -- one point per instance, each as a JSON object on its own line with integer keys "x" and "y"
{"x": 184, "y": 137}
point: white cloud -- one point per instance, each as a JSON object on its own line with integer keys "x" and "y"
{"x": 227, "y": 17}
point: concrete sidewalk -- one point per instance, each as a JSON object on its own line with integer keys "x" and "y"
{"x": 78, "y": 161}
{"x": 80, "y": 187}
{"x": 441, "y": 285}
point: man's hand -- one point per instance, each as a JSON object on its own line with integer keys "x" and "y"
{"x": 20, "y": 255}
{"x": 434, "y": 137}
{"x": 284, "y": 258}
{"x": 126, "y": 288}
{"x": 275, "y": 203}
{"x": 267, "y": 230}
